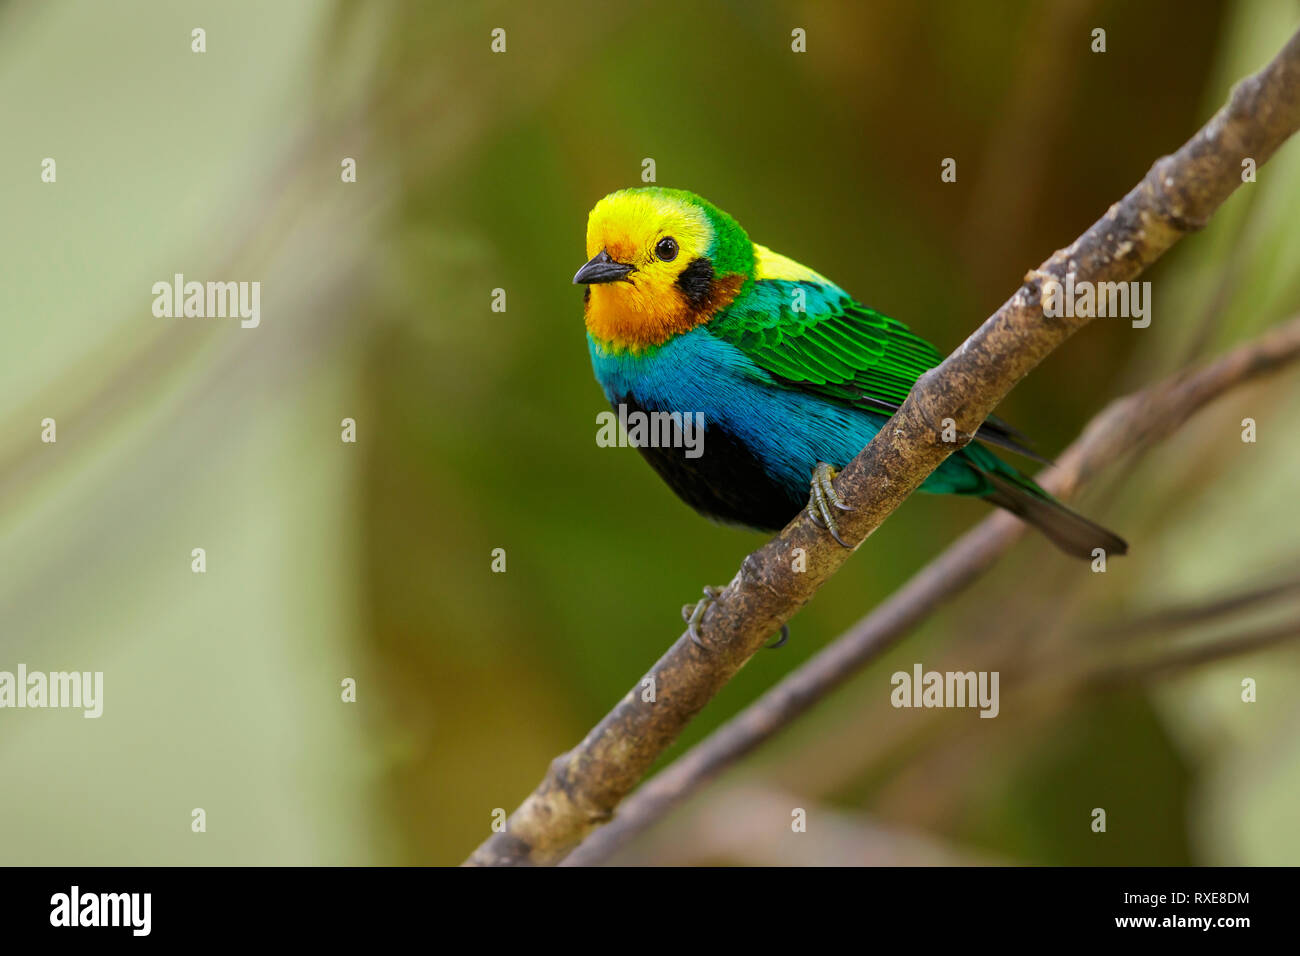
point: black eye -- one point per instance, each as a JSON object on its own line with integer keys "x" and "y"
{"x": 666, "y": 248}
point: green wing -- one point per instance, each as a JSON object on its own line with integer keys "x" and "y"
{"x": 812, "y": 336}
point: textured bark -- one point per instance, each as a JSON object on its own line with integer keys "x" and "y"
{"x": 1178, "y": 195}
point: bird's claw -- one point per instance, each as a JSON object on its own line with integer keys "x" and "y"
{"x": 824, "y": 501}
{"x": 780, "y": 641}
{"x": 692, "y": 614}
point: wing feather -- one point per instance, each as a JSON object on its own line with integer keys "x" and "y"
{"x": 836, "y": 348}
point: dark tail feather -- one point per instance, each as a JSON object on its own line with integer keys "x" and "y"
{"x": 1071, "y": 532}
{"x": 995, "y": 431}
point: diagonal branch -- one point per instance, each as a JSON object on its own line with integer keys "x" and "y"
{"x": 1178, "y": 195}
{"x": 1201, "y": 612}
{"x": 1187, "y": 658}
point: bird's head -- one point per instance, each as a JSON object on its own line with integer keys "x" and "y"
{"x": 661, "y": 262}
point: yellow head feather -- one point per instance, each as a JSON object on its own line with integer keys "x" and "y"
{"x": 648, "y": 307}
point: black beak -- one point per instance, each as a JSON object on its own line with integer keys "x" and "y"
{"x": 602, "y": 269}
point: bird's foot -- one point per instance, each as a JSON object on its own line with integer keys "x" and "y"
{"x": 825, "y": 501}
{"x": 692, "y": 614}
{"x": 780, "y": 641}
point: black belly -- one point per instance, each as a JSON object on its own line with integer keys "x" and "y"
{"x": 727, "y": 482}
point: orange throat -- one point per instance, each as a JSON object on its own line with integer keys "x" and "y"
{"x": 622, "y": 315}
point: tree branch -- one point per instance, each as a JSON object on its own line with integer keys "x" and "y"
{"x": 1200, "y": 612}
{"x": 1187, "y": 658}
{"x": 1177, "y": 196}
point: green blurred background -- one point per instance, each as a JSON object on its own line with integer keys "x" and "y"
{"x": 476, "y": 428}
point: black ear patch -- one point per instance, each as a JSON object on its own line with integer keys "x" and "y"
{"x": 696, "y": 281}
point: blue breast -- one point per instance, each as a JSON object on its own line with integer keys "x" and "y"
{"x": 788, "y": 431}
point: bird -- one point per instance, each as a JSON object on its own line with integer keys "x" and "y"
{"x": 789, "y": 375}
